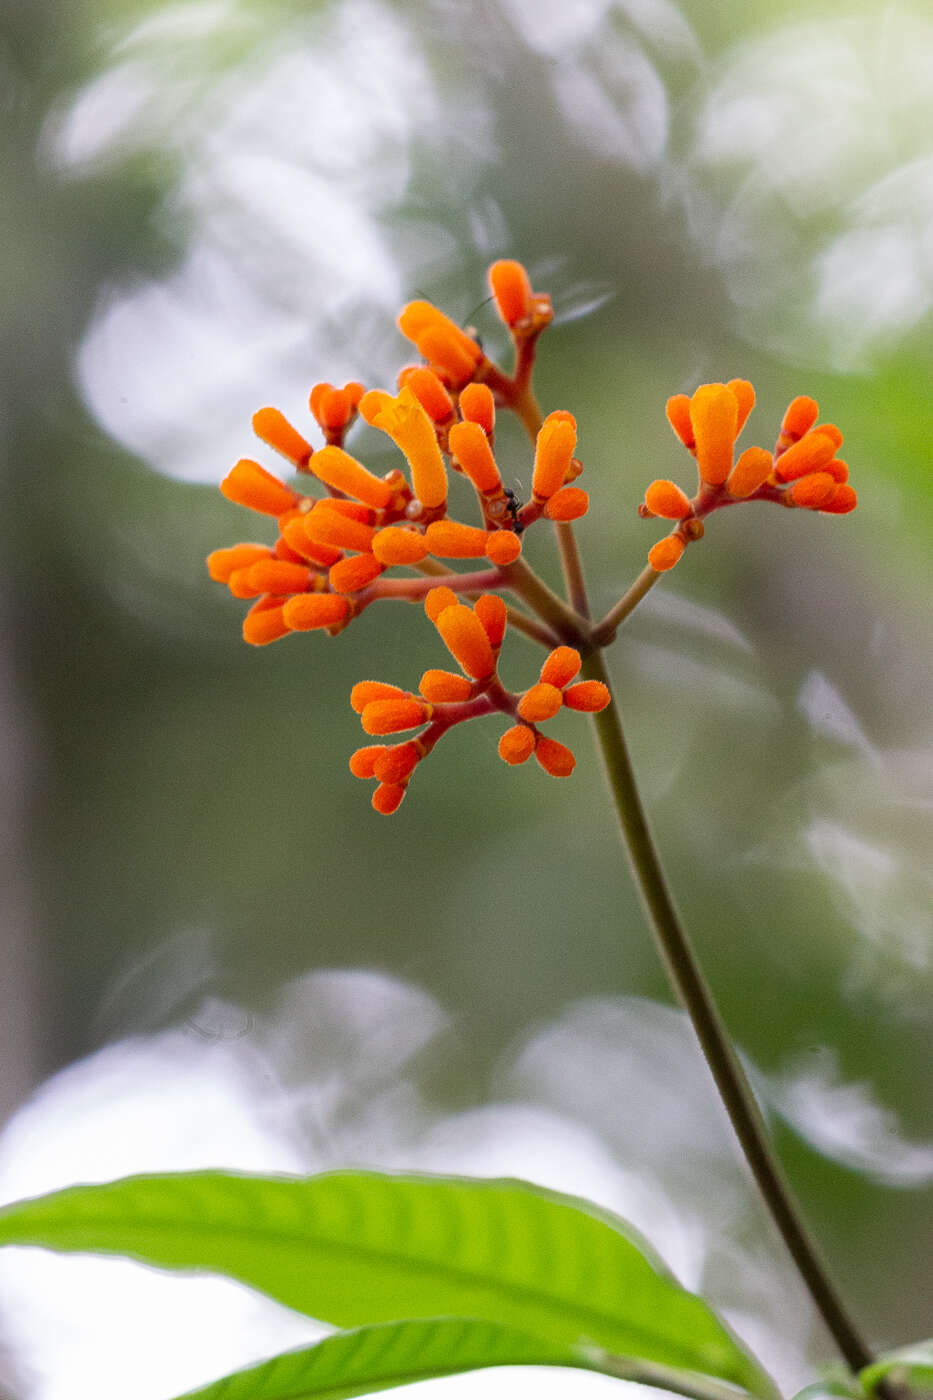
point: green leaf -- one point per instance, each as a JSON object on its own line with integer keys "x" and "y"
{"x": 911, "y": 1366}
{"x": 361, "y": 1247}
{"x": 386, "y": 1355}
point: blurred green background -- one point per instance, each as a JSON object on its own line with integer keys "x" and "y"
{"x": 207, "y": 207}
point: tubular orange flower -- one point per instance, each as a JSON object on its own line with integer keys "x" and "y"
{"x": 569, "y": 503}
{"x": 470, "y": 446}
{"x": 265, "y": 622}
{"x": 364, "y": 692}
{"x": 554, "y": 758}
{"x": 410, "y": 428}
{"x": 561, "y": 666}
{"x": 296, "y": 537}
{"x": 811, "y": 453}
{"x": 493, "y": 615}
{"x": 666, "y": 499}
{"x": 714, "y": 413}
{"x": 440, "y": 687}
{"x": 477, "y": 405}
{"x": 502, "y": 547}
{"x": 338, "y": 469}
{"x": 274, "y": 576}
{"x": 221, "y": 563}
{"x": 589, "y": 696}
{"x": 274, "y": 428}
{"x": 437, "y": 599}
{"x": 363, "y": 761}
{"x": 744, "y": 396}
{"x": 553, "y": 453}
{"x": 842, "y": 502}
{"x": 511, "y": 288}
{"x": 393, "y": 716}
{"x": 517, "y": 744}
{"x": 799, "y": 419}
{"x": 250, "y": 485}
{"x": 397, "y": 545}
{"x": 308, "y": 611}
{"x": 540, "y": 702}
{"x": 333, "y": 408}
{"x": 678, "y": 415}
{"x": 350, "y": 575}
{"x": 665, "y": 554}
{"x": 388, "y": 798}
{"x": 814, "y": 492}
{"x": 398, "y": 762}
{"x": 331, "y": 527}
{"x": 429, "y": 391}
{"x": 440, "y": 340}
{"x": 465, "y": 638}
{"x": 448, "y": 539}
{"x": 750, "y": 472}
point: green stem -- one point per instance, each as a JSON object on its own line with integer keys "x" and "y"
{"x": 605, "y": 630}
{"x": 688, "y": 980}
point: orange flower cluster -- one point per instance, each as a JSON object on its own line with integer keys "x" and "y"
{"x": 473, "y": 636}
{"x": 802, "y": 470}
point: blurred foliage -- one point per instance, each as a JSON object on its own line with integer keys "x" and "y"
{"x": 192, "y": 827}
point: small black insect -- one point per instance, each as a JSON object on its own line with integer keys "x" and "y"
{"x": 513, "y": 506}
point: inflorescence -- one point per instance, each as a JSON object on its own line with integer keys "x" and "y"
{"x": 336, "y": 552}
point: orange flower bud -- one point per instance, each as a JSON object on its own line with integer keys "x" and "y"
{"x": 569, "y": 503}
{"x": 429, "y": 391}
{"x": 333, "y": 408}
{"x": 250, "y": 485}
{"x": 837, "y": 469}
{"x": 554, "y": 758}
{"x": 714, "y": 415}
{"x": 265, "y": 623}
{"x": 440, "y": 341}
{"x": 412, "y": 431}
{"x": 397, "y": 763}
{"x": 813, "y": 492}
{"x": 751, "y": 471}
{"x": 448, "y": 539}
{"x": 285, "y": 553}
{"x": 744, "y": 396}
{"x": 350, "y": 575}
{"x": 799, "y": 419}
{"x": 437, "y": 599}
{"x": 590, "y": 696}
{"x": 442, "y": 687}
{"x": 814, "y": 451}
{"x": 296, "y": 537}
{"x": 392, "y": 716}
{"x": 274, "y": 428}
{"x": 503, "y": 547}
{"x": 364, "y": 692}
{"x": 338, "y": 469}
{"x": 516, "y": 744}
{"x": 678, "y": 415}
{"x": 553, "y": 452}
{"x": 241, "y": 584}
{"x": 666, "y": 499}
{"x": 396, "y": 545}
{"x": 540, "y": 702}
{"x": 274, "y": 576}
{"x": 363, "y": 761}
{"x": 493, "y": 615}
{"x": 308, "y": 611}
{"x": 561, "y": 666}
{"x": 511, "y": 287}
{"x": 842, "y": 502}
{"x": 664, "y": 555}
{"x": 388, "y": 798}
{"x": 477, "y": 405}
{"x": 353, "y": 510}
{"x": 469, "y": 444}
{"x": 333, "y": 528}
{"x": 465, "y": 638}
{"x": 222, "y": 562}
{"x": 831, "y": 431}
